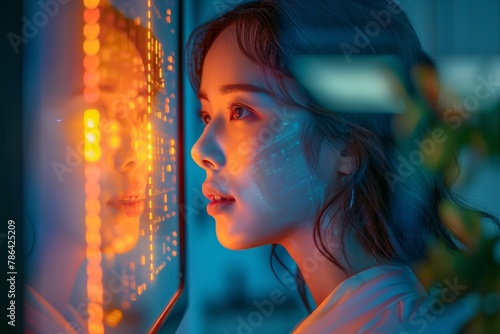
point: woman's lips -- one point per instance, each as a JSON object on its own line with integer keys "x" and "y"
{"x": 129, "y": 207}
{"x": 218, "y": 205}
{"x": 220, "y": 201}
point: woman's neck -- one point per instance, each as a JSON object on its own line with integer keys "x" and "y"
{"x": 320, "y": 274}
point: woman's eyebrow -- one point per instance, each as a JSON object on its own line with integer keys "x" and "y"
{"x": 231, "y": 88}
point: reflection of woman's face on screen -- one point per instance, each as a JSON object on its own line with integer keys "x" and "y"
{"x": 123, "y": 142}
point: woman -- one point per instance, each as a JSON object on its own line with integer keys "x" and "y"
{"x": 330, "y": 185}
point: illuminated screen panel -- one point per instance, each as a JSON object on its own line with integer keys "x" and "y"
{"x": 108, "y": 189}
{"x": 149, "y": 272}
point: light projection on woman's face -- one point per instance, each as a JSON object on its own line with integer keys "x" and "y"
{"x": 252, "y": 152}
{"x": 123, "y": 142}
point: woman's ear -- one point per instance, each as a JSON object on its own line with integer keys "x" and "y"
{"x": 345, "y": 163}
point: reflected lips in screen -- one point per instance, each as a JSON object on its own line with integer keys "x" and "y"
{"x": 130, "y": 206}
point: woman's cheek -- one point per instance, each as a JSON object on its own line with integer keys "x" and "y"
{"x": 278, "y": 180}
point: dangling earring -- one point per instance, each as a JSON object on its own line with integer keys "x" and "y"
{"x": 344, "y": 178}
{"x": 352, "y": 198}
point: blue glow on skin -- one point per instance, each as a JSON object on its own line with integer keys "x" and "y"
{"x": 259, "y": 159}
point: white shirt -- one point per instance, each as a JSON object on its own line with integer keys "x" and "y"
{"x": 387, "y": 299}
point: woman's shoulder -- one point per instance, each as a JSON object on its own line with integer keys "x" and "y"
{"x": 382, "y": 299}
{"x": 42, "y": 317}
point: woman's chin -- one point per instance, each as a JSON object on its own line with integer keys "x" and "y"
{"x": 123, "y": 245}
{"x": 236, "y": 242}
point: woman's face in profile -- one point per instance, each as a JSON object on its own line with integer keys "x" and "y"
{"x": 251, "y": 149}
{"x": 123, "y": 162}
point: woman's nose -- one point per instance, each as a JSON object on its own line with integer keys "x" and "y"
{"x": 133, "y": 150}
{"x": 207, "y": 152}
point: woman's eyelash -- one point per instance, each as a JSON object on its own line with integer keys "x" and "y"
{"x": 202, "y": 116}
{"x": 205, "y": 117}
{"x": 232, "y": 109}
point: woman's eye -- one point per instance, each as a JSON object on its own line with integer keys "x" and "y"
{"x": 239, "y": 112}
{"x": 204, "y": 117}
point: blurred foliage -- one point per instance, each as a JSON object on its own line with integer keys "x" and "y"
{"x": 478, "y": 266}
{"x": 477, "y": 269}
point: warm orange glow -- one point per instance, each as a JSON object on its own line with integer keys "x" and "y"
{"x": 113, "y": 318}
{"x": 92, "y": 204}
{"x": 95, "y": 290}
{"x": 91, "y": 63}
{"x": 114, "y": 142}
{"x": 92, "y": 151}
{"x": 91, "y": 78}
{"x": 91, "y": 47}
{"x": 91, "y": 118}
{"x": 92, "y": 154}
{"x": 91, "y": 4}
{"x": 91, "y": 95}
{"x": 92, "y": 221}
{"x": 91, "y": 31}
{"x": 149, "y": 140}
{"x": 91, "y": 15}
{"x": 95, "y": 327}
{"x": 113, "y": 126}
{"x": 91, "y": 190}
{"x": 93, "y": 239}
{"x": 92, "y": 136}
{"x": 90, "y": 124}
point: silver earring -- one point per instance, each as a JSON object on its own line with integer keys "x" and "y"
{"x": 352, "y": 198}
{"x": 344, "y": 178}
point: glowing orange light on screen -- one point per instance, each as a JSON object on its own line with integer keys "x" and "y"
{"x": 91, "y": 46}
{"x": 91, "y": 15}
{"x": 91, "y": 135}
{"x": 150, "y": 143}
{"x": 91, "y": 63}
{"x": 91, "y": 31}
{"x": 91, "y": 4}
{"x": 92, "y": 154}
